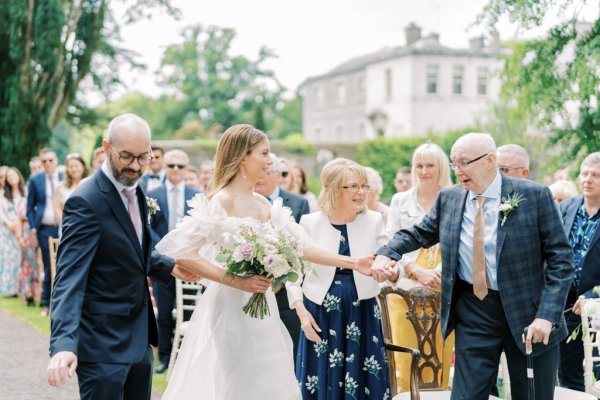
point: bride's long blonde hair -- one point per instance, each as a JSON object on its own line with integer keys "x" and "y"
{"x": 237, "y": 142}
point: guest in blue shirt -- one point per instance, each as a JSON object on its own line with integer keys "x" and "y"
{"x": 580, "y": 215}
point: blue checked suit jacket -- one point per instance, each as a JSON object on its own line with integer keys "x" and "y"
{"x": 534, "y": 258}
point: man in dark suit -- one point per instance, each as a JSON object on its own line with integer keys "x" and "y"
{"x": 172, "y": 200}
{"x": 581, "y": 218}
{"x": 299, "y": 206}
{"x": 102, "y": 320}
{"x": 504, "y": 267}
{"x": 41, "y": 214}
{"x": 156, "y": 176}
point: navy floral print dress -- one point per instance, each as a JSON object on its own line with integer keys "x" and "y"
{"x": 350, "y": 361}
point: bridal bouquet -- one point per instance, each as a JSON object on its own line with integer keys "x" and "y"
{"x": 261, "y": 250}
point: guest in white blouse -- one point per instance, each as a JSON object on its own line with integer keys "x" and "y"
{"x": 430, "y": 173}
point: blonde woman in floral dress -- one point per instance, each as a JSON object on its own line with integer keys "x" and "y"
{"x": 340, "y": 352}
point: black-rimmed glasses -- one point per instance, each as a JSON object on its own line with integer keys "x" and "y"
{"x": 465, "y": 164}
{"x": 127, "y": 158}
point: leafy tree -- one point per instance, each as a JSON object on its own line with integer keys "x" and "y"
{"x": 48, "y": 48}
{"x": 216, "y": 86}
{"x": 386, "y": 155}
{"x": 288, "y": 118}
{"x": 553, "y": 83}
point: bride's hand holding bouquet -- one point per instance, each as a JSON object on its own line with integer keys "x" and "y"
{"x": 261, "y": 251}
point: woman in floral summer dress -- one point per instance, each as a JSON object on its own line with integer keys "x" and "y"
{"x": 340, "y": 353}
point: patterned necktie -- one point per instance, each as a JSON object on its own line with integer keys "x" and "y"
{"x": 479, "y": 271}
{"x": 134, "y": 212}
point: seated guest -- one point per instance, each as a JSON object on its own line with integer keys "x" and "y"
{"x": 562, "y": 190}
{"x": 581, "y": 217}
{"x": 207, "y": 170}
{"x": 302, "y": 187}
{"x": 192, "y": 177}
{"x": 403, "y": 180}
{"x": 374, "y": 194}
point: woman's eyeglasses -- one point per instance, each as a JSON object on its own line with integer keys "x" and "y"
{"x": 356, "y": 188}
{"x": 284, "y": 174}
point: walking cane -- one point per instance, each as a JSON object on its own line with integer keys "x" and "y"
{"x": 529, "y": 355}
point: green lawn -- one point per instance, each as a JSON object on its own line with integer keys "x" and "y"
{"x": 17, "y": 308}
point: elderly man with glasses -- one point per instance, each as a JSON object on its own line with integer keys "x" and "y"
{"x": 507, "y": 265}
{"x": 41, "y": 214}
{"x": 513, "y": 160}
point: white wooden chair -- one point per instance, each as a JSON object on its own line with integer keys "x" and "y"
{"x": 590, "y": 326}
{"x": 186, "y": 296}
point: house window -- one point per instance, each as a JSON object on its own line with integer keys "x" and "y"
{"x": 360, "y": 84}
{"x": 340, "y": 93}
{"x": 457, "y": 79}
{"x": 319, "y": 96}
{"x": 388, "y": 84}
{"x": 482, "y": 77}
{"x": 432, "y": 79}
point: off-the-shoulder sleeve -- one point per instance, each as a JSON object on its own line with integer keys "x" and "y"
{"x": 281, "y": 218}
{"x": 197, "y": 230}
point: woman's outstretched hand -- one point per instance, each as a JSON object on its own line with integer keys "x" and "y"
{"x": 252, "y": 284}
{"x": 363, "y": 265}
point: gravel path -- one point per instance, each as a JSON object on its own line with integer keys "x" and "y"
{"x": 23, "y": 361}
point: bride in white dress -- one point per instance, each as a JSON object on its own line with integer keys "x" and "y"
{"x": 226, "y": 354}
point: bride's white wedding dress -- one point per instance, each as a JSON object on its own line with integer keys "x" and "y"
{"x": 226, "y": 354}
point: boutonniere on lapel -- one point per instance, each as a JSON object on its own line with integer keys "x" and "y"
{"x": 509, "y": 204}
{"x": 152, "y": 207}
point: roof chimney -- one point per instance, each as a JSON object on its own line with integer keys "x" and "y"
{"x": 413, "y": 33}
{"x": 476, "y": 43}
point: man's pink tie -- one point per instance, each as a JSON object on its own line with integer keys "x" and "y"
{"x": 134, "y": 212}
{"x": 479, "y": 271}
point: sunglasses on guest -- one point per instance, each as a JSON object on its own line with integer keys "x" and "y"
{"x": 284, "y": 174}
{"x": 179, "y": 166}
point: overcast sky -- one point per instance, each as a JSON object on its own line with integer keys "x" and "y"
{"x": 310, "y": 37}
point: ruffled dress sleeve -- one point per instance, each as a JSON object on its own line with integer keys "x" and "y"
{"x": 194, "y": 237}
{"x": 281, "y": 218}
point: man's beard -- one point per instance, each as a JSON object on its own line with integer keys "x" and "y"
{"x": 118, "y": 174}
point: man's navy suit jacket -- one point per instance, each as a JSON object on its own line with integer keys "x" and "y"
{"x": 36, "y": 199}
{"x": 160, "y": 221}
{"x": 101, "y": 308}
